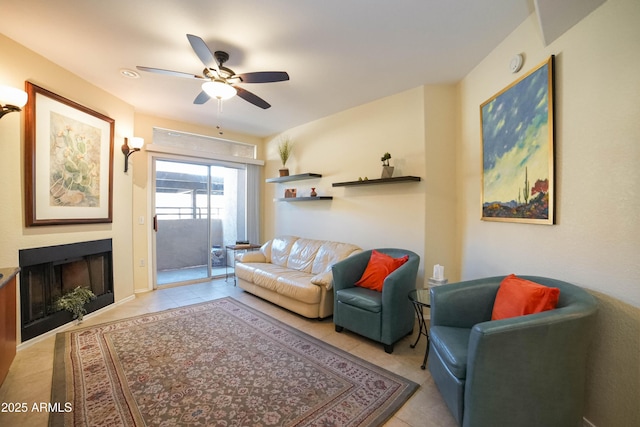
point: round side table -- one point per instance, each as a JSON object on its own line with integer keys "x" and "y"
{"x": 421, "y": 300}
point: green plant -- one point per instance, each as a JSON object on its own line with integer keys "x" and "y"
{"x": 75, "y": 300}
{"x": 284, "y": 149}
{"x": 385, "y": 159}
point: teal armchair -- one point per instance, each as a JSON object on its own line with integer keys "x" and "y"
{"x": 385, "y": 316}
{"x": 522, "y": 371}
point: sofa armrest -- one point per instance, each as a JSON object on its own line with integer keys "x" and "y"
{"x": 464, "y": 304}
{"x": 323, "y": 279}
{"x": 398, "y": 284}
{"x": 398, "y": 315}
{"x": 251, "y": 256}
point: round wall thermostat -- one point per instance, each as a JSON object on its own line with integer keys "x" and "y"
{"x": 516, "y": 63}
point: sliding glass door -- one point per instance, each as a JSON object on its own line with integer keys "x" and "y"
{"x": 200, "y": 207}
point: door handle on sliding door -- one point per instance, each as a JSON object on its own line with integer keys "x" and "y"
{"x": 155, "y": 223}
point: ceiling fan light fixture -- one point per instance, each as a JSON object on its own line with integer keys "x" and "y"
{"x": 219, "y": 89}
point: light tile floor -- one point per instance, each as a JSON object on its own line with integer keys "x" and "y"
{"x": 29, "y": 379}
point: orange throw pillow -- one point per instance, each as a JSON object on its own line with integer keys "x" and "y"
{"x": 379, "y": 267}
{"x": 518, "y": 297}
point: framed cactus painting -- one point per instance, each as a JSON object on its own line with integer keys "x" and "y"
{"x": 517, "y": 150}
{"x": 68, "y": 161}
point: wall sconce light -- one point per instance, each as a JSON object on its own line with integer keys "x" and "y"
{"x": 11, "y": 100}
{"x": 136, "y": 145}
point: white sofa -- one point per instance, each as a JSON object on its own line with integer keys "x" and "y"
{"x": 294, "y": 273}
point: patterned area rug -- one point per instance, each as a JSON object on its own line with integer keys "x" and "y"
{"x": 218, "y": 363}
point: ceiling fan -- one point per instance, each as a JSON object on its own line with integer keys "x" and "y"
{"x": 221, "y": 82}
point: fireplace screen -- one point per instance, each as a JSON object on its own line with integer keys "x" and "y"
{"x": 50, "y": 272}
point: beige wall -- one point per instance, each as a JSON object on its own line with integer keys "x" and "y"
{"x": 19, "y": 64}
{"x": 596, "y": 242}
{"x": 441, "y": 226}
{"x": 346, "y": 146}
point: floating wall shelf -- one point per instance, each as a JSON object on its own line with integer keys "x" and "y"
{"x": 378, "y": 181}
{"x": 294, "y": 177}
{"x": 304, "y": 199}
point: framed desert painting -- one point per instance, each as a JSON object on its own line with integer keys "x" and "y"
{"x": 517, "y": 150}
{"x": 68, "y": 161}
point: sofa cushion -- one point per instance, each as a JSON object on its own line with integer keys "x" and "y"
{"x": 323, "y": 279}
{"x": 297, "y": 285}
{"x": 280, "y": 249}
{"x": 266, "y": 250}
{"x": 519, "y": 297}
{"x": 245, "y": 270}
{"x": 266, "y": 275}
{"x": 302, "y": 254}
{"x": 363, "y": 298}
{"x": 452, "y": 345}
{"x": 330, "y": 253}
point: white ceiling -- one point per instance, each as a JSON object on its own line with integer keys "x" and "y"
{"x": 338, "y": 53}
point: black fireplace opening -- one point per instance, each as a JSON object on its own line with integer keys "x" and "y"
{"x": 49, "y": 272}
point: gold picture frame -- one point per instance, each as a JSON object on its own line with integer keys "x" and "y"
{"x": 517, "y": 129}
{"x": 68, "y": 161}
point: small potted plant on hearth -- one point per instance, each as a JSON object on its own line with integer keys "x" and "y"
{"x": 284, "y": 149}
{"x": 387, "y": 171}
{"x": 74, "y": 302}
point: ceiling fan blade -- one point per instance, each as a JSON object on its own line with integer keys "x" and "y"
{"x": 171, "y": 73}
{"x": 264, "y": 77}
{"x": 201, "y": 98}
{"x": 202, "y": 50}
{"x": 252, "y": 98}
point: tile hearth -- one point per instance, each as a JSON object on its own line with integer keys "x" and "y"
{"x": 29, "y": 379}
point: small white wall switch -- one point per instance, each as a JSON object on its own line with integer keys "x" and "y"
{"x": 141, "y": 220}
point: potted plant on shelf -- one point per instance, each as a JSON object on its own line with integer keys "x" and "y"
{"x": 284, "y": 149}
{"x": 74, "y": 302}
{"x": 387, "y": 171}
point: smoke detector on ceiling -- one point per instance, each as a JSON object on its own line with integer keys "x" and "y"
{"x": 129, "y": 73}
{"x": 516, "y": 63}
